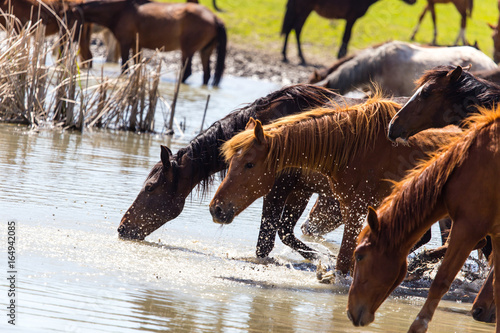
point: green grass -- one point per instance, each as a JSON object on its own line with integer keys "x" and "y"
{"x": 257, "y": 24}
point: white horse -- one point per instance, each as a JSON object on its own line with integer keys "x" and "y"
{"x": 394, "y": 66}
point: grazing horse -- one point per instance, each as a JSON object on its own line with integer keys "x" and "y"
{"x": 297, "y": 12}
{"x": 447, "y": 184}
{"x": 141, "y": 24}
{"x": 483, "y": 308}
{"x": 347, "y": 144}
{"x": 394, "y": 66}
{"x": 49, "y": 12}
{"x": 464, "y": 7}
{"x": 162, "y": 197}
{"x": 445, "y": 95}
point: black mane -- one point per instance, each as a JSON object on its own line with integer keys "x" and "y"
{"x": 203, "y": 150}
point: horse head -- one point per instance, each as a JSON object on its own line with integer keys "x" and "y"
{"x": 377, "y": 272}
{"x": 247, "y": 179}
{"x": 160, "y": 200}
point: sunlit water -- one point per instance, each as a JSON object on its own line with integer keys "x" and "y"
{"x": 67, "y": 193}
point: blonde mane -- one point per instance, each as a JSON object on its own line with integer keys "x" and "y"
{"x": 415, "y": 196}
{"x": 324, "y": 139}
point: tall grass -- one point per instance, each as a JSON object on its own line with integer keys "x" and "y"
{"x": 36, "y": 93}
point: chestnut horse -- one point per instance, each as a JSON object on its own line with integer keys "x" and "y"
{"x": 50, "y": 13}
{"x": 138, "y": 24}
{"x": 162, "y": 197}
{"x": 436, "y": 188}
{"x": 347, "y": 144}
{"x": 484, "y": 307}
{"x": 297, "y": 12}
{"x": 464, "y": 7}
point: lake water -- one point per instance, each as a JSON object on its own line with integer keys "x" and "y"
{"x": 66, "y": 193}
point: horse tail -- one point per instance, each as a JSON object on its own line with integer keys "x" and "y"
{"x": 221, "y": 51}
{"x": 290, "y": 17}
{"x": 470, "y": 5}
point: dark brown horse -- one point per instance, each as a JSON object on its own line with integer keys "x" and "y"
{"x": 347, "y": 144}
{"x": 50, "y": 12}
{"x": 464, "y": 7}
{"x": 447, "y": 184}
{"x": 297, "y": 12}
{"x": 172, "y": 179}
{"x": 138, "y": 24}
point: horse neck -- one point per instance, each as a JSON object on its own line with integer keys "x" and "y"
{"x": 103, "y": 12}
{"x": 482, "y": 93}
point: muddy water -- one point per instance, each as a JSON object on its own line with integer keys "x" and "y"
{"x": 66, "y": 193}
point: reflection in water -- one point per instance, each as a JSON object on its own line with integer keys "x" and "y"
{"x": 68, "y": 191}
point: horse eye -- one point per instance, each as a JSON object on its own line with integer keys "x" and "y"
{"x": 359, "y": 257}
{"x": 149, "y": 187}
{"x": 425, "y": 93}
{"x": 249, "y": 165}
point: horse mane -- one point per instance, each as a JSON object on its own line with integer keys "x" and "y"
{"x": 323, "y": 138}
{"x": 416, "y": 195}
{"x": 474, "y": 90}
{"x": 204, "y": 151}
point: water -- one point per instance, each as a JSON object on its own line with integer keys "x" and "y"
{"x": 67, "y": 192}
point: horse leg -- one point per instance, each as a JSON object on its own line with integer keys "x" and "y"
{"x": 412, "y": 38}
{"x": 353, "y": 216}
{"x": 324, "y": 217}
{"x": 433, "y": 14}
{"x": 345, "y": 39}
{"x": 462, "y": 240}
{"x": 186, "y": 62}
{"x": 445, "y": 226}
{"x": 125, "y": 50}
{"x": 205, "y": 61}
{"x": 272, "y": 209}
{"x": 461, "y": 32}
{"x": 296, "y": 203}
{"x": 84, "y": 44}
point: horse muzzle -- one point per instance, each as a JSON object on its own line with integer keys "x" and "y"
{"x": 126, "y": 233}
{"x": 222, "y": 215}
{"x": 361, "y": 317}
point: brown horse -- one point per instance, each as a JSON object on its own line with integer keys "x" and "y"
{"x": 484, "y": 307}
{"x": 464, "y": 7}
{"x": 447, "y": 184}
{"x": 138, "y": 24}
{"x": 496, "y": 38}
{"x": 171, "y": 180}
{"x": 50, "y": 13}
{"x": 297, "y": 12}
{"x": 445, "y": 95}
{"x": 346, "y": 144}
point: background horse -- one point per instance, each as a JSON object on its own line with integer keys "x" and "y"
{"x": 395, "y": 66}
{"x": 447, "y": 184}
{"x": 141, "y": 24}
{"x": 50, "y": 13}
{"x": 297, "y": 12}
{"x": 464, "y": 7}
{"x": 496, "y": 38}
{"x": 346, "y": 144}
{"x": 162, "y": 197}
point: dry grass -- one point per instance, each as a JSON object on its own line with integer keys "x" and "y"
{"x": 37, "y": 94}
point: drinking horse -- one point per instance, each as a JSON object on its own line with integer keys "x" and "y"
{"x": 447, "y": 95}
{"x": 171, "y": 180}
{"x": 138, "y": 24}
{"x": 347, "y": 144}
{"x": 297, "y": 12}
{"x": 49, "y": 12}
{"x": 447, "y": 184}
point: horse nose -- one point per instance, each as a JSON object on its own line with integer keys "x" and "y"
{"x": 477, "y": 312}
{"x": 127, "y": 233}
{"x": 220, "y": 215}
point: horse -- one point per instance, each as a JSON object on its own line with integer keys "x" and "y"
{"x": 394, "y": 66}
{"x": 297, "y": 12}
{"x": 483, "y": 308}
{"x": 464, "y": 7}
{"x": 347, "y": 144}
{"x": 49, "y": 12}
{"x": 445, "y": 95}
{"x": 141, "y": 24}
{"x": 496, "y": 38}
{"x": 170, "y": 181}
{"x": 446, "y": 184}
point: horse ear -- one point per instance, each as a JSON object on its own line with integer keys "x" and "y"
{"x": 258, "y": 131}
{"x": 372, "y": 219}
{"x": 251, "y": 124}
{"x": 165, "y": 155}
{"x": 454, "y": 75}
{"x": 493, "y": 27}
